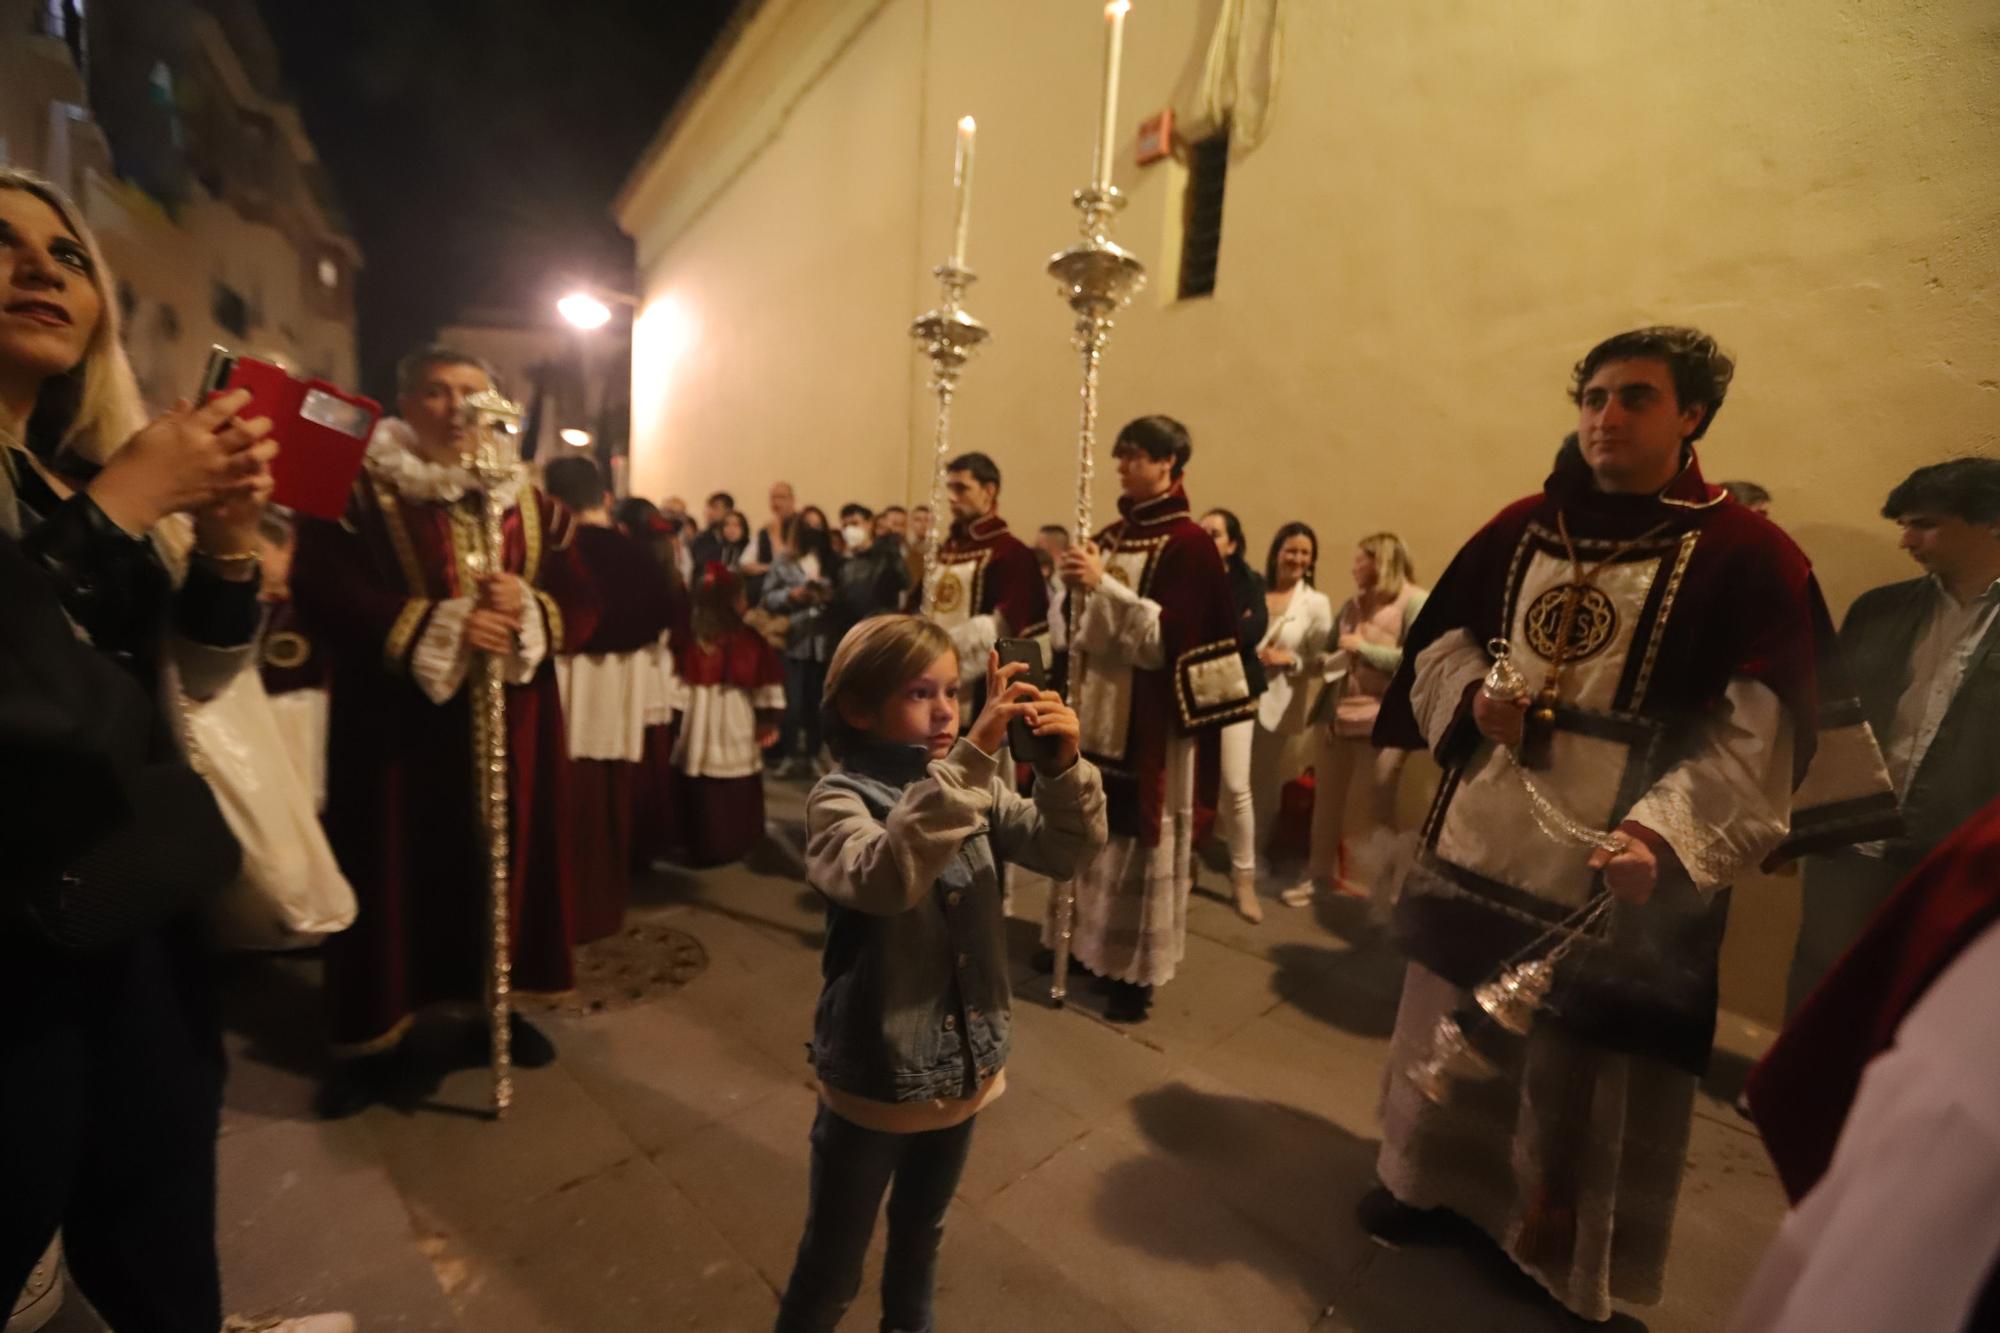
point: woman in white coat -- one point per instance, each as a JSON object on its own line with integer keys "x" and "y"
{"x": 1293, "y": 654}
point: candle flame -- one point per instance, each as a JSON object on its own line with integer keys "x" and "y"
{"x": 1118, "y": 7}
{"x": 968, "y": 124}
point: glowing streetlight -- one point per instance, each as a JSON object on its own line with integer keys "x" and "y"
{"x": 584, "y": 310}
{"x": 570, "y": 435}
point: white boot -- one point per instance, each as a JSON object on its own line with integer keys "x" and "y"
{"x": 1245, "y": 884}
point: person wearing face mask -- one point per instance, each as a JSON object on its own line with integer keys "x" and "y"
{"x": 128, "y": 571}
{"x": 394, "y": 596}
{"x": 1156, "y": 672}
{"x": 873, "y": 578}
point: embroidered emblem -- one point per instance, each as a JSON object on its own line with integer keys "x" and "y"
{"x": 286, "y": 650}
{"x": 1119, "y": 572}
{"x": 950, "y": 593}
{"x": 1595, "y": 623}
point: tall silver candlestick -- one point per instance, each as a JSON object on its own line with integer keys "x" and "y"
{"x": 948, "y": 336}
{"x": 495, "y": 460}
{"x": 1096, "y": 277}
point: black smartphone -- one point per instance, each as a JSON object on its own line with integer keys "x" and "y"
{"x": 1028, "y": 748}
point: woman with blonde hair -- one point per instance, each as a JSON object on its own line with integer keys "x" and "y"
{"x": 111, "y": 1060}
{"x": 1370, "y": 629}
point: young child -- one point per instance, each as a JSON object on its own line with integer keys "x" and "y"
{"x": 735, "y": 696}
{"x": 910, "y": 1040}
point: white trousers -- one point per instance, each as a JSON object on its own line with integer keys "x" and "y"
{"x": 1236, "y": 814}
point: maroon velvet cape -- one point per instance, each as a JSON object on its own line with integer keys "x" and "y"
{"x": 1009, "y": 581}
{"x": 402, "y": 812}
{"x": 1183, "y": 572}
{"x": 636, "y": 603}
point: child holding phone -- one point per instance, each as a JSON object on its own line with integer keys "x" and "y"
{"x": 910, "y": 1040}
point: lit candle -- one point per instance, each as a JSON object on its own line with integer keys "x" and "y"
{"x": 1107, "y": 127}
{"x": 961, "y": 179}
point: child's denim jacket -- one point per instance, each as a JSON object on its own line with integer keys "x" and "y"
{"x": 915, "y": 1003}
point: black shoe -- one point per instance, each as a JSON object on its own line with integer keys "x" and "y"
{"x": 1394, "y": 1223}
{"x": 531, "y": 1046}
{"x": 352, "y": 1086}
{"x": 1130, "y": 1003}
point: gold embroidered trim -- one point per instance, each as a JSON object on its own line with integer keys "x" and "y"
{"x": 404, "y": 632}
{"x": 467, "y": 546}
{"x": 399, "y": 539}
{"x": 553, "y": 614}
{"x": 1149, "y": 547}
{"x": 1210, "y": 684}
{"x": 348, "y": 1050}
{"x": 1659, "y": 634}
{"x": 531, "y": 536}
{"x": 286, "y": 650}
{"x": 950, "y": 561}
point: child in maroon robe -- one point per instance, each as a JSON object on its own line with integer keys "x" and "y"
{"x": 735, "y": 696}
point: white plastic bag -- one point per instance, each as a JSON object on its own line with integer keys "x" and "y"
{"x": 291, "y": 893}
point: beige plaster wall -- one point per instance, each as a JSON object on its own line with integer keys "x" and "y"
{"x": 1454, "y": 199}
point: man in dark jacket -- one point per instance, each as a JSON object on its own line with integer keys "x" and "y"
{"x": 874, "y": 578}
{"x": 1925, "y": 659}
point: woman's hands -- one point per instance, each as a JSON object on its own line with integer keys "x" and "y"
{"x": 1278, "y": 659}
{"x": 1009, "y": 697}
{"x": 202, "y": 461}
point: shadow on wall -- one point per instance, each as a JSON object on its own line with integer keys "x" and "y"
{"x": 1851, "y": 560}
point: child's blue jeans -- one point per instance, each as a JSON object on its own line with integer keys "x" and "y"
{"x": 851, "y": 1167}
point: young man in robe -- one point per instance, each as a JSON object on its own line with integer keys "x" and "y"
{"x": 392, "y": 594}
{"x": 606, "y": 681}
{"x": 1677, "y": 657}
{"x": 1156, "y": 675}
{"x": 989, "y": 587}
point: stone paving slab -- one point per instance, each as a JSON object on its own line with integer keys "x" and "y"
{"x": 1197, "y": 1172}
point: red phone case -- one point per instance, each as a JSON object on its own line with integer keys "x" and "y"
{"x": 322, "y": 433}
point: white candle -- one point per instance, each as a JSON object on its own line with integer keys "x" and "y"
{"x": 961, "y": 180}
{"x": 1107, "y": 126}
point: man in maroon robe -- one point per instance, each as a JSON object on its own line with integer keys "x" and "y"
{"x": 989, "y": 586}
{"x": 1156, "y": 674}
{"x": 391, "y": 595}
{"x": 605, "y": 688}
{"x": 1679, "y": 673}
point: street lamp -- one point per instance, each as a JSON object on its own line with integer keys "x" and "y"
{"x": 584, "y": 310}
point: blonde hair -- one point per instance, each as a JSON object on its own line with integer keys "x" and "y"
{"x": 94, "y": 407}
{"x": 1392, "y": 563}
{"x": 873, "y": 661}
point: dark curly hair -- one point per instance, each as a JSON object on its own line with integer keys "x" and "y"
{"x": 1701, "y": 370}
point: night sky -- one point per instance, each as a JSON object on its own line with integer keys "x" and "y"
{"x": 476, "y": 144}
